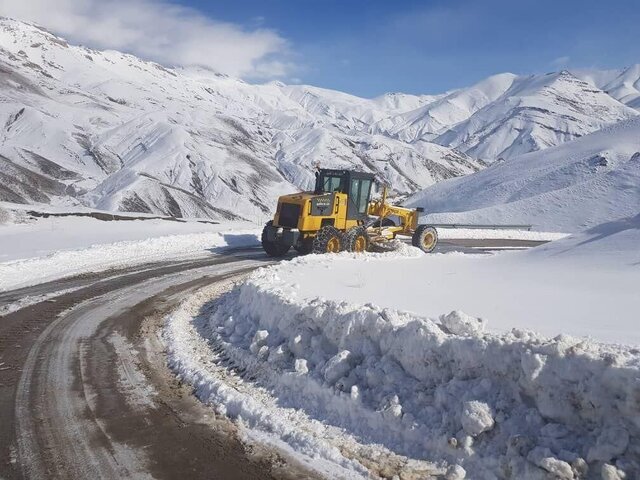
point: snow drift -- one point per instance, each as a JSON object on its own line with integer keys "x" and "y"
{"x": 512, "y": 405}
{"x": 613, "y": 243}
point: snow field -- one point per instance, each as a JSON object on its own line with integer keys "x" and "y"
{"x": 54, "y": 248}
{"x": 441, "y": 389}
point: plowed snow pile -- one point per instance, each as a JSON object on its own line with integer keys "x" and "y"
{"x": 441, "y": 389}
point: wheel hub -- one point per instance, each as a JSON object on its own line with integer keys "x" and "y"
{"x": 360, "y": 244}
{"x": 333, "y": 245}
{"x": 428, "y": 240}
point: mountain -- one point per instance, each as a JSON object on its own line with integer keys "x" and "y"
{"x": 437, "y": 117}
{"x": 110, "y": 131}
{"x": 623, "y": 85}
{"x": 589, "y": 181}
{"x": 535, "y": 113}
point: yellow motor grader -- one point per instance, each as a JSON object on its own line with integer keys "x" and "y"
{"x": 339, "y": 215}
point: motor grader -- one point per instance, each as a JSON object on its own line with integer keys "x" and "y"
{"x": 339, "y": 215}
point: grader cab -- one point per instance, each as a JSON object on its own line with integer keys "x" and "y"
{"x": 339, "y": 215}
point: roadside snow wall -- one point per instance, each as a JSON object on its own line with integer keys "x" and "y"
{"x": 515, "y": 405}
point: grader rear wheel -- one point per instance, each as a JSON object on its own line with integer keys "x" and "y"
{"x": 425, "y": 238}
{"x": 328, "y": 240}
{"x": 356, "y": 239}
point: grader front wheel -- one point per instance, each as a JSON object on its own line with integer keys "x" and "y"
{"x": 425, "y": 238}
{"x": 356, "y": 239}
{"x": 328, "y": 240}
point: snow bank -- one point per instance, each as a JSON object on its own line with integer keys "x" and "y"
{"x": 100, "y": 257}
{"x": 511, "y": 405}
{"x": 32, "y": 236}
{"x": 497, "y": 234}
{"x": 546, "y": 289}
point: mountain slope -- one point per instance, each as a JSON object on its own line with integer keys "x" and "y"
{"x": 438, "y": 116}
{"x": 567, "y": 188}
{"x": 111, "y": 131}
{"x": 623, "y": 85}
{"x": 535, "y": 113}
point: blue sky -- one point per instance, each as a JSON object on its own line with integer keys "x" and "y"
{"x": 364, "y": 47}
{"x": 375, "y": 46}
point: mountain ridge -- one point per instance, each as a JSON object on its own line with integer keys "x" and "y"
{"x": 107, "y": 130}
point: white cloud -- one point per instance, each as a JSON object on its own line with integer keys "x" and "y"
{"x": 560, "y": 62}
{"x": 160, "y": 31}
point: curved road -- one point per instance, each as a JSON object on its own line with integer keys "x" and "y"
{"x": 84, "y": 387}
{"x": 85, "y": 391}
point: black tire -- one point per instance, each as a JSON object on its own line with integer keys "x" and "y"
{"x": 273, "y": 249}
{"x": 328, "y": 240}
{"x": 356, "y": 239}
{"x": 425, "y": 238}
{"x": 304, "y": 246}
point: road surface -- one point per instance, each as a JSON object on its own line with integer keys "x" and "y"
{"x": 85, "y": 391}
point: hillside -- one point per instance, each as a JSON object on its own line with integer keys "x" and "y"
{"x": 571, "y": 187}
{"x": 623, "y": 85}
{"x": 107, "y": 130}
{"x": 535, "y": 113}
{"x": 110, "y": 131}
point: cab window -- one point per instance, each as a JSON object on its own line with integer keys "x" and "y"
{"x": 330, "y": 184}
{"x": 359, "y": 194}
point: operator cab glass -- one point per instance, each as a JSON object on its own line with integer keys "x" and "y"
{"x": 329, "y": 183}
{"x": 359, "y": 195}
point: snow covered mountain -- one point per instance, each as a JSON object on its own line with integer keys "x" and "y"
{"x": 571, "y": 187}
{"x": 445, "y": 111}
{"x": 506, "y": 115}
{"x": 534, "y": 113}
{"x": 110, "y": 131}
{"x": 623, "y": 85}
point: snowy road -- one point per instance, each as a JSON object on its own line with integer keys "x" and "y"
{"x": 84, "y": 387}
{"x": 85, "y": 392}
